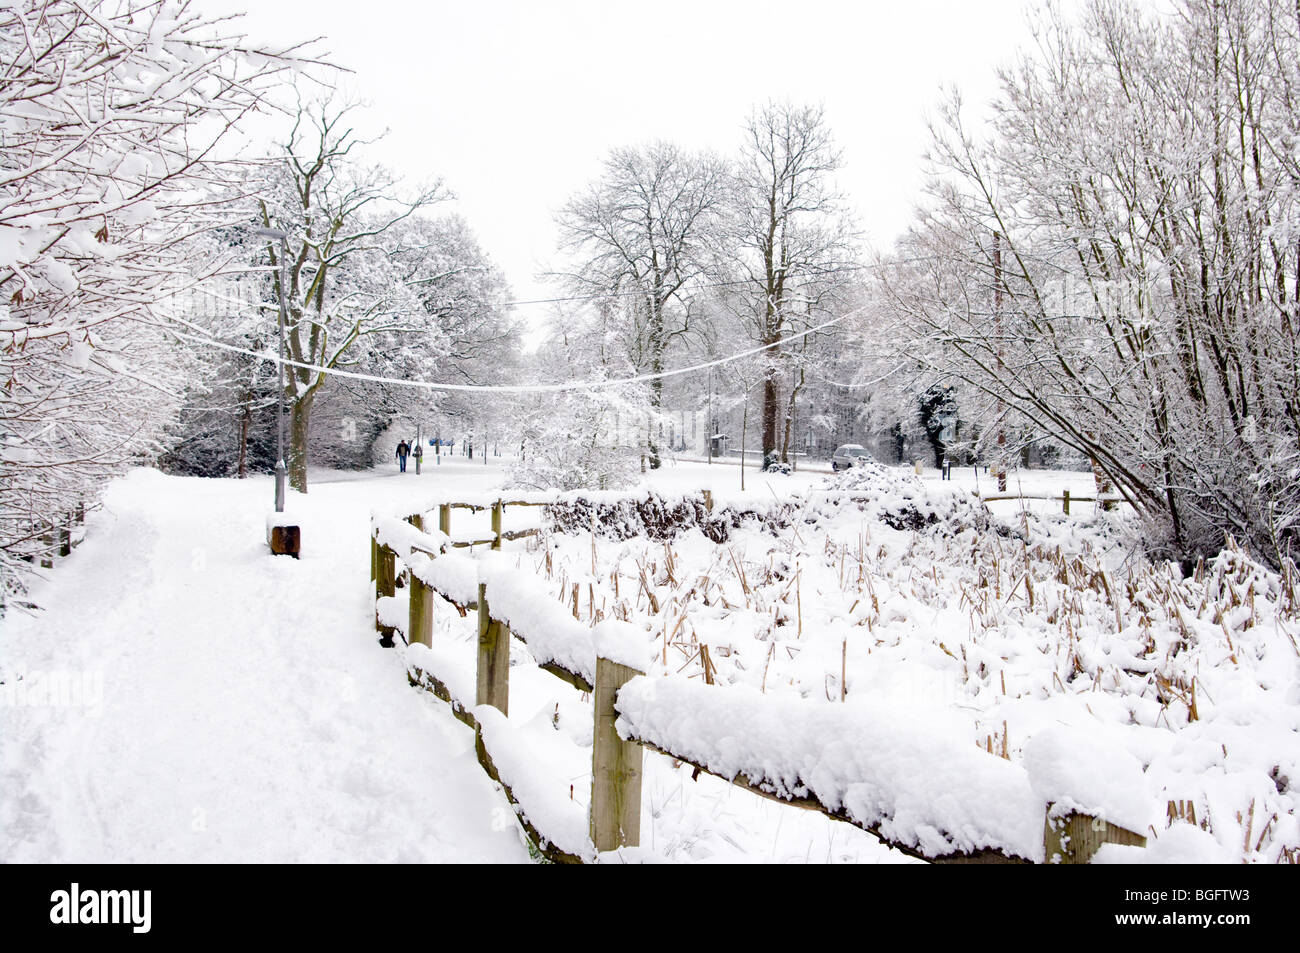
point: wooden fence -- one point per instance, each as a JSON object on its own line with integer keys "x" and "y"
{"x": 616, "y": 770}
{"x": 1065, "y": 498}
{"x": 55, "y": 537}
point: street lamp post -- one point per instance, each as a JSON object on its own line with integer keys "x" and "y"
{"x": 280, "y": 469}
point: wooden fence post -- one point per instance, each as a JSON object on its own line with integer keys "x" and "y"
{"x": 81, "y": 512}
{"x": 493, "y": 658}
{"x": 47, "y": 542}
{"x": 65, "y": 536}
{"x": 708, "y": 500}
{"x": 496, "y": 524}
{"x": 385, "y": 585}
{"x": 420, "y": 627}
{"x": 1075, "y": 838}
{"x": 615, "y": 766}
{"x": 374, "y": 556}
{"x": 1065, "y": 502}
{"x": 444, "y": 518}
{"x": 493, "y": 686}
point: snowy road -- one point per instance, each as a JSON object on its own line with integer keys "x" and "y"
{"x": 215, "y": 703}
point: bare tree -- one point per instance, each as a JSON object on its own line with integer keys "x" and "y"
{"x": 789, "y": 239}
{"x": 342, "y": 287}
{"x": 642, "y": 234}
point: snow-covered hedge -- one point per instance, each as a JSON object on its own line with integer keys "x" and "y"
{"x": 647, "y": 515}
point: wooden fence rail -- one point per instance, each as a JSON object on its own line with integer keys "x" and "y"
{"x": 1065, "y": 498}
{"x": 615, "y": 806}
{"x": 497, "y": 509}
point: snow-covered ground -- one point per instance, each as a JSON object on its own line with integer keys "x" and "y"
{"x": 214, "y": 703}
{"x": 222, "y": 704}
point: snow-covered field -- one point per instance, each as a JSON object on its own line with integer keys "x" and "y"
{"x": 221, "y": 704}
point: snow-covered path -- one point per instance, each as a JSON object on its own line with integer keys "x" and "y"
{"x": 247, "y": 713}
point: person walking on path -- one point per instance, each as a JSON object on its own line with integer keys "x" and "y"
{"x": 403, "y": 449}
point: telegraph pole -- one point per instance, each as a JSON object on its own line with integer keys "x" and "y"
{"x": 280, "y": 468}
{"x": 285, "y": 539}
{"x": 708, "y": 424}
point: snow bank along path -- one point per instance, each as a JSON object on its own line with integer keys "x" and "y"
{"x": 909, "y": 783}
{"x": 235, "y": 705}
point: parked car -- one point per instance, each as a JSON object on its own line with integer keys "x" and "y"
{"x": 848, "y": 455}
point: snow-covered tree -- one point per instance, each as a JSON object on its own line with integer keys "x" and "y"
{"x": 460, "y": 331}
{"x": 112, "y": 117}
{"x": 643, "y": 234}
{"x": 1118, "y": 263}
{"x": 226, "y": 425}
{"x": 466, "y": 299}
{"x": 586, "y": 437}
{"x": 344, "y": 293}
{"x": 788, "y": 243}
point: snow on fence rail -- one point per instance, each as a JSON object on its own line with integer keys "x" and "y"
{"x": 915, "y": 789}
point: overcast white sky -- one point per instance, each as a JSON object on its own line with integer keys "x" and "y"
{"x": 514, "y": 103}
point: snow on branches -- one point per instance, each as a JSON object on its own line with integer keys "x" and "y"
{"x": 1116, "y": 263}
{"x": 111, "y": 118}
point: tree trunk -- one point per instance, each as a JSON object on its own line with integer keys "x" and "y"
{"x": 795, "y": 388}
{"x": 770, "y": 411}
{"x": 299, "y": 420}
{"x": 656, "y": 401}
{"x": 1100, "y": 479}
{"x": 244, "y": 417}
{"x": 785, "y": 430}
